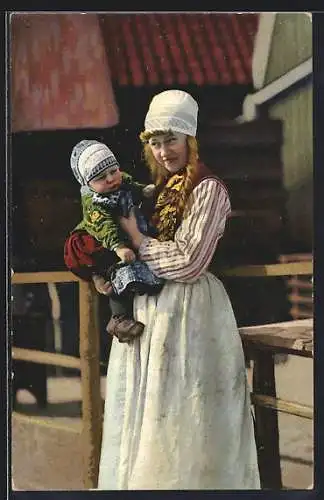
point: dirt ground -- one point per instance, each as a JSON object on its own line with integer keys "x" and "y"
{"x": 47, "y": 451}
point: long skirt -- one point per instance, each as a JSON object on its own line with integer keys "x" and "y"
{"x": 177, "y": 409}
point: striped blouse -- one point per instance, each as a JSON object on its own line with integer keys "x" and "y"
{"x": 187, "y": 257}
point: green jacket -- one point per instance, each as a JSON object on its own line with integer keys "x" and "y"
{"x": 102, "y": 222}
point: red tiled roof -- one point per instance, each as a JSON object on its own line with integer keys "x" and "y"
{"x": 177, "y": 48}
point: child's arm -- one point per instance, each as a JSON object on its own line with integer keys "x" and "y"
{"x": 101, "y": 225}
{"x": 125, "y": 254}
{"x": 101, "y": 285}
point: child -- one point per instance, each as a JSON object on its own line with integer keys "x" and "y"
{"x": 106, "y": 194}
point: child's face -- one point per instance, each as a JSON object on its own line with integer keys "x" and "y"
{"x": 108, "y": 181}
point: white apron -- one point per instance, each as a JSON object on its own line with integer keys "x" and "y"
{"x": 177, "y": 410}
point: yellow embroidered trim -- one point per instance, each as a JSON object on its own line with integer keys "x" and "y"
{"x": 95, "y": 216}
{"x": 165, "y": 215}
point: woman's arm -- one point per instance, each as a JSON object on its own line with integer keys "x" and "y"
{"x": 189, "y": 255}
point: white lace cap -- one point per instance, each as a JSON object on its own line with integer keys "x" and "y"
{"x": 172, "y": 109}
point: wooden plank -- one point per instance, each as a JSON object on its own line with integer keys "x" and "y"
{"x": 295, "y": 336}
{"x": 299, "y": 283}
{"x": 266, "y": 422}
{"x": 284, "y": 269}
{"x": 298, "y": 313}
{"x": 289, "y": 407}
{"x": 45, "y": 358}
{"x": 92, "y": 408}
{"x": 299, "y": 299}
{"x": 44, "y": 277}
{"x": 265, "y": 224}
{"x": 256, "y": 194}
{"x": 49, "y": 422}
{"x": 295, "y": 257}
{"x": 243, "y": 165}
{"x": 259, "y": 133}
{"x": 255, "y": 212}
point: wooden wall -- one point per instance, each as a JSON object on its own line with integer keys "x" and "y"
{"x": 291, "y": 45}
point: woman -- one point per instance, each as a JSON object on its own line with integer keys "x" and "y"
{"x": 177, "y": 410}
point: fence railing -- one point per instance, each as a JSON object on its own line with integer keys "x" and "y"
{"x": 263, "y": 343}
{"x": 88, "y": 363}
{"x": 294, "y": 337}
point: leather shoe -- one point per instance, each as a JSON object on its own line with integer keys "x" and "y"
{"x": 124, "y": 328}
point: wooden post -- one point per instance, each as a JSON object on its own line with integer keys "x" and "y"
{"x": 266, "y": 421}
{"x": 90, "y": 378}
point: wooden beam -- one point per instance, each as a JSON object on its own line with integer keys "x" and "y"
{"x": 262, "y": 48}
{"x": 44, "y": 423}
{"x": 295, "y": 336}
{"x": 92, "y": 408}
{"x": 266, "y": 422}
{"x": 299, "y": 283}
{"x": 296, "y": 313}
{"x": 282, "y": 269}
{"x": 294, "y": 298}
{"x": 43, "y": 277}
{"x": 275, "y": 89}
{"x": 292, "y": 408}
{"x": 45, "y": 358}
{"x": 48, "y": 358}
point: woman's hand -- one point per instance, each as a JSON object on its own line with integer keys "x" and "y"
{"x": 129, "y": 225}
{"x": 149, "y": 190}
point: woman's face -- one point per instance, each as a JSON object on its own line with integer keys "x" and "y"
{"x": 170, "y": 150}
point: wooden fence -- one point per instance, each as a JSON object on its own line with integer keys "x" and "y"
{"x": 294, "y": 337}
{"x": 300, "y": 288}
{"x": 88, "y": 363}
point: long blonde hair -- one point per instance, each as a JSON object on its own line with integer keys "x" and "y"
{"x": 159, "y": 174}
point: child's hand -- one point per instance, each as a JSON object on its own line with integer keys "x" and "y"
{"x": 148, "y": 191}
{"x": 125, "y": 254}
{"x": 102, "y": 286}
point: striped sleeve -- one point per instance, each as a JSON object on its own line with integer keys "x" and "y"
{"x": 188, "y": 256}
